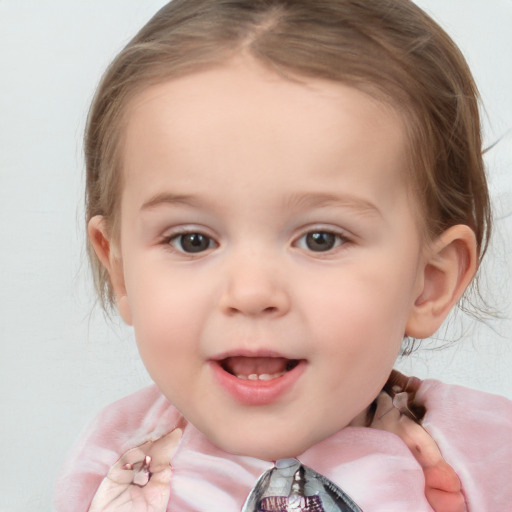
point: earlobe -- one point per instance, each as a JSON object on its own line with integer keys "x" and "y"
{"x": 449, "y": 267}
{"x": 106, "y": 253}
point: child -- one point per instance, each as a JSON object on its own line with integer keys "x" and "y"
{"x": 278, "y": 194}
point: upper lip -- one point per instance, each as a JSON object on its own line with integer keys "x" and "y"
{"x": 251, "y": 353}
{"x": 256, "y": 362}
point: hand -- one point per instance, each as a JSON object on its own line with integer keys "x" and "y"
{"x": 140, "y": 481}
{"x": 442, "y": 485}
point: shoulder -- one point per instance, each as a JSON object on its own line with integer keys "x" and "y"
{"x": 472, "y": 430}
{"x": 143, "y": 416}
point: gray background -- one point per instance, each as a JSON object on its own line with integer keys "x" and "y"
{"x": 60, "y": 361}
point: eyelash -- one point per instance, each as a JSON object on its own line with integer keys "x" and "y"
{"x": 328, "y": 238}
{"x": 178, "y": 238}
{"x": 334, "y": 240}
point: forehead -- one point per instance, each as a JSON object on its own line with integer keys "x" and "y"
{"x": 242, "y": 85}
{"x": 244, "y": 117}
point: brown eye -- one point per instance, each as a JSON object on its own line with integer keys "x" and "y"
{"x": 320, "y": 241}
{"x": 192, "y": 242}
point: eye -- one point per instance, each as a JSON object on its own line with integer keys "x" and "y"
{"x": 191, "y": 243}
{"x": 320, "y": 241}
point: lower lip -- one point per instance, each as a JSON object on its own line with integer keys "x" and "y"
{"x": 257, "y": 392}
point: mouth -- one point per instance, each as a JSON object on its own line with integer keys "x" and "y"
{"x": 258, "y": 368}
{"x": 258, "y": 379}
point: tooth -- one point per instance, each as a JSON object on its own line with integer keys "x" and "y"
{"x": 263, "y": 376}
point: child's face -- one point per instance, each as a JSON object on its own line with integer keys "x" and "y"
{"x": 270, "y": 254}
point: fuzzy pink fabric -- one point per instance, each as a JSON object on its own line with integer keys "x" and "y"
{"x": 374, "y": 467}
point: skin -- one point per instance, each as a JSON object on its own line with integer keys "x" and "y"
{"x": 254, "y": 163}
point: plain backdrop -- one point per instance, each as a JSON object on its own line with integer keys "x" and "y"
{"x": 60, "y": 359}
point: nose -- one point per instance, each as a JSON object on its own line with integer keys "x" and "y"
{"x": 255, "y": 287}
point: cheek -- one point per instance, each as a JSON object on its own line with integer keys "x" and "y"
{"x": 164, "y": 314}
{"x": 359, "y": 293}
{"x": 361, "y": 312}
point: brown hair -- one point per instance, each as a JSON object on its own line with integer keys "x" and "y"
{"x": 388, "y": 48}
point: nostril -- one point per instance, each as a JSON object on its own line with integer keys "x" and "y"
{"x": 266, "y": 311}
{"x": 253, "y": 300}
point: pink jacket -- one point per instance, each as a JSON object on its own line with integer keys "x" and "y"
{"x": 141, "y": 455}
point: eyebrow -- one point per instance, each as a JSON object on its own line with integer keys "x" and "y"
{"x": 167, "y": 198}
{"x": 294, "y": 202}
{"x": 318, "y": 200}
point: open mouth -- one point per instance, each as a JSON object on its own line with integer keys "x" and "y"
{"x": 258, "y": 368}
{"x": 257, "y": 379}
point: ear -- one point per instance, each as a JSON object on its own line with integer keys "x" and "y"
{"x": 107, "y": 253}
{"x": 450, "y": 265}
